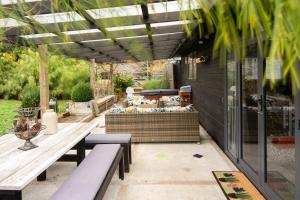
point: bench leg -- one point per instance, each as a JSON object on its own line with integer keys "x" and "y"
{"x": 121, "y": 169}
{"x": 126, "y": 157}
{"x": 130, "y": 155}
{"x": 42, "y": 176}
{"x": 80, "y": 148}
{"x": 11, "y": 194}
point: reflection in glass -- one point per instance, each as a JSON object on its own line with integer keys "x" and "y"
{"x": 280, "y": 132}
{"x": 250, "y": 103}
{"x": 231, "y": 107}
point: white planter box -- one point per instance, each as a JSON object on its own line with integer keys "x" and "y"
{"x": 80, "y": 108}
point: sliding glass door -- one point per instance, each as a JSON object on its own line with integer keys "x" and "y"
{"x": 260, "y": 123}
{"x": 280, "y": 131}
{"x": 250, "y": 105}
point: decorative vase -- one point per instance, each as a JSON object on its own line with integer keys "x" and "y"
{"x": 49, "y": 119}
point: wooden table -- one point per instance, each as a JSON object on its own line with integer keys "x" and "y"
{"x": 18, "y": 168}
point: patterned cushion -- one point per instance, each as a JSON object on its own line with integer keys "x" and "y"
{"x": 132, "y": 109}
{"x": 139, "y": 100}
{"x": 171, "y": 101}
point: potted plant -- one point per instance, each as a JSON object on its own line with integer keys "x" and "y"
{"x": 81, "y": 96}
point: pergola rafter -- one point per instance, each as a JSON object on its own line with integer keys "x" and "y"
{"x": 33, "y": 23}
{"x": 145, "y": 11}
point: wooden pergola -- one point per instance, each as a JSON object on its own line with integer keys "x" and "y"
{"x": 97, "y": 31}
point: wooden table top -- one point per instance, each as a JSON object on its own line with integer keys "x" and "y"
{"x": 18, "y": 168}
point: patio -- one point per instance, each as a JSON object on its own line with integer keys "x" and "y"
{"x": 241, "y": 59}
{"x": 159, "y": 171}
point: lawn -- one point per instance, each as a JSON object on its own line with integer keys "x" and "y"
{"x": 6, "y": 112}
{"x": 62, "y": 105}
{"x": 7, "y": 115}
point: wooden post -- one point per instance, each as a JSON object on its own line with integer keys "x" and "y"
{"x": 147, "y": 62}
{"x": 111, "y": 73}
{"x": 93, "y": 76}
{"x": 44, "y": 85}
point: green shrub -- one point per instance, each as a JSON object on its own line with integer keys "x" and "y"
{"x": 121, "y": 82}
{"x": 30, "y": 97}
{"x": 82, "y": 92}
{"x": 156, "y": 84}
{"x": 20, "y": 64}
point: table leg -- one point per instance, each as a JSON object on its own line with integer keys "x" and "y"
{"x": 130, "y": 154}
{"x": 121, "y": 168}
{"x": 11, "y": 194}
{"x": 42, "y": 176}
{"x": 80, "y": 148}
{"x": 126, "y": 157}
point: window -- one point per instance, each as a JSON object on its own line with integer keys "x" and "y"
{"x": 192, "y": 67}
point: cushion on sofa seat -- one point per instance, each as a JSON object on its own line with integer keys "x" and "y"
{"x": 150, "y": 93}
{"x": 87, "y": 178}
{"x": 168, "y": 92}
{"x": 159, "y": 92}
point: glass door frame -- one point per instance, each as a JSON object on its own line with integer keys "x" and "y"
{"x": 229, "y": 154}
{"x": 260, "y": 175}
{"x": 297, "y": 138}
{"x": 259, "y": 179}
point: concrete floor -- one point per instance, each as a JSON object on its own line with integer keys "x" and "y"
{"x": 159, "y": 171}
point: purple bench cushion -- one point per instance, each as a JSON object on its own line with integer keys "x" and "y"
{"x": 159, "y": 92}
{"x": 107, "y": 138}
{"x": 87, "y": 178}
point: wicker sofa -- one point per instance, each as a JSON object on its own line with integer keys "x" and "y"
{"x": 156, "y": 127}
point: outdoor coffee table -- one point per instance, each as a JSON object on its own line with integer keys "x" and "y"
{"x": 18, "y": 168}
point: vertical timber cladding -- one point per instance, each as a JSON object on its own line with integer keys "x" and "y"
{"x": 208, "y": 88}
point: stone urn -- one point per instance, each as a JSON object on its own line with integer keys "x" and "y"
{"x": 50, "y": 120}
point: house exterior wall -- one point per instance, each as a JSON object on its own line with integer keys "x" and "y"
{"x": 207, "y": 90}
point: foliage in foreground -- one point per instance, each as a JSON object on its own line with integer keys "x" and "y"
{"x": 274, "y": 24}
{"x": 156, "y": 84}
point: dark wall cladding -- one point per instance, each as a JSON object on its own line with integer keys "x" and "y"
{"x": 208, "y": 91}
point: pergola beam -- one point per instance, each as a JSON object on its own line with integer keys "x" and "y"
{"x": 47, "y": 6}
{"x": 145, "y": 12}
{"x": 32, "y": 23}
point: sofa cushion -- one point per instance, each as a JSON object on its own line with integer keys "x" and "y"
{"x": 159, "y": 92}
{"x": 168, "y": 92}
{"x": 117, "y": 110}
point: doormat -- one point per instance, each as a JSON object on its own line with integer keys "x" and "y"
{"x": 281, "y": 184}
{"x": 236, "y": 186}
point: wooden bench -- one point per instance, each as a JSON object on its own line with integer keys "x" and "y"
{"x": 124, "y": 139}
{"x": 91, "y": 178}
